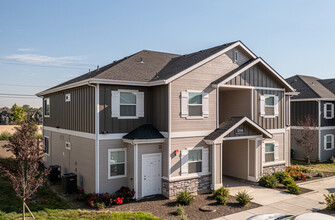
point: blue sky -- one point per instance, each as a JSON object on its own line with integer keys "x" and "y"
{"x": 43, "y": 43}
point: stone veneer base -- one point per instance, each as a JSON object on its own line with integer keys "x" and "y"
{"x": 195, "y": 185}
{"x": 272, "y": 169}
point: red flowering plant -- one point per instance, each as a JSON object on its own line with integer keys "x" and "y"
{"x": 118, "y": 200}
{"x": 125, "y": 193}
{"x": 297, "y": 172}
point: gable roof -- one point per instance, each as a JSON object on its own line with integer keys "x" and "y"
{"x": 227, "y": 77}
{"x": 311, "y": 87}
{"x": 329, "y": 84}
{"x": 148, "y": 68}
{"x": 230, "y": 125}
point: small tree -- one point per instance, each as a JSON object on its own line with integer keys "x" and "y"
{"x": 26, "y": 174}
{"x": 17, "y": 113}
{"x": 308, "y": 136}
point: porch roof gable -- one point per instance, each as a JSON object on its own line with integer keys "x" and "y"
{"x": 232, "y": 123}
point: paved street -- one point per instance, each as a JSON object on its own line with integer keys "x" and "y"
{"x": 273, "y": 201}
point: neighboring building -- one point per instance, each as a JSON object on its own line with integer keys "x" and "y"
{"x": 317, "y": 99}
{"x": 161, "y": 123}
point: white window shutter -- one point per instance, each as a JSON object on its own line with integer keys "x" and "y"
{"x": 115, "y": 104}
{"x": 140, "y": 104}
{"x": 276, "y": 99}
{"x": 325, "y": 142}
{"x": 325, "y": 110}
{"x": 332, "y": 115}
{"x": 276, "y": 151}
{"x": 205, "y": 103}
{"x": 332, "y": 141}
{"x": 184, "y": 103}
{"x": 205, "y": 160}
{"x": 262, "y": 105}
{"x": 263, "y": 153}
{"x": 184, "y": 162}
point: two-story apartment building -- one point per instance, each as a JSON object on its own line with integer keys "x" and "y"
{"x": 161, "y": 123}
{"x": 317, "y": 99}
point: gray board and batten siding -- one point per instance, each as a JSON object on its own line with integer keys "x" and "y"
{"x": 77, "y": 114}
{"x": 155, "y": 109}
{"x": 299, "y": 110}
{"x": 325, "y": 121}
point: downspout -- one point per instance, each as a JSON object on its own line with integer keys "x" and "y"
{"x": 96, "y": 99}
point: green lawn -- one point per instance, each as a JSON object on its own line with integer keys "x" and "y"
{"x": 316, "y": 167}
{"x": 48, "y": 205}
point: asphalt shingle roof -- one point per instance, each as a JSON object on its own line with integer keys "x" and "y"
{"x": 310, "y": 87}
{"x": 146, "y": 131}
{"x": 329, "y": 84}
{"x": 225, "y": 127}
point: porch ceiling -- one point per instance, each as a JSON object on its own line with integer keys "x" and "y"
{"x": 230, "y": 125}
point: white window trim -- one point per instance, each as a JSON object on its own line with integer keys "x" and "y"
{"x": 331, "y": 110}
{"x": 188, "y": 162}
{"x": 44, "y": 115}
{"x": 198, "y": 173}
{"x": 69, "y": 97}
{"x": 67, "y": 143}
{"x": 129, "y": 91}
{"x": 325, "y": 142}
{"x": 125, "y": 163}
{"x": 274, "y": 145}
{"x": 266, "y": 96}
{"x": 47, "y": 137}
{"x": 195, "y": 117}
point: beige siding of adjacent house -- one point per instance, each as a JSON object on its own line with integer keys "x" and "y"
{"x": 200, "y": 79}
{"x": 182, "y": 144}
{"x": 79, "y": 159}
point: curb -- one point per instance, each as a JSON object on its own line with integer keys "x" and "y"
{"x": 318, "y": 180}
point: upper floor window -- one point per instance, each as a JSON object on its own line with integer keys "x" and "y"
{"x": 329, "y": 110}
{"x": 194, "y": 104}
{"x": 329, "y": 142}
{"x": 269, "y": 106}
{"x": 127, "y": 104}
{"x": 67, "y": 97}
{"x": 235, "y": 56}
{"x": 47, "y": 145}
{"x": 116, "y": 163}
{"x": 46, "y": 107}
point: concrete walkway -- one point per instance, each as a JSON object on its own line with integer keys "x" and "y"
{"x": 273, "y": 201}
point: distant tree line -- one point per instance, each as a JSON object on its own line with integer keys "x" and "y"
{"x": 16, "y": 114}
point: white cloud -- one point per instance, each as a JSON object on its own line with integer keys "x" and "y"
{"x": 26, "y": 49}
{"x": 40, "y": 59}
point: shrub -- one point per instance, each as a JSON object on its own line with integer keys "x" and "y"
{"x": 308, "y": 176}
{"x": 281, "y": 175}
{"x": 183, "y": 217}
{"x": 180, "y": 210}
{"x": 293, "y": 188}
{"x": 221, "y": 195}
{"x": 332, "y": 160}
{"x": 243, "y": 198}
{"x": 185, "y": 198}
{"x": 330, "y": 201}
{"x": 126, "y": 193}
{"x": 287, "y": 181}
{"x": 268, "y": 181}
{"x": 298, "y": 168}
{"x": 319, "y": 174}
{"x": 4, "y": 136}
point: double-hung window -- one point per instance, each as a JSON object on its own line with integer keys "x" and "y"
{"x": 269, "y": 152}
{"x": 47, "y": 145}
{"x": 329, "y": 142}
{"x": 195, "y": 161}
{"x": 329, "y": 110}
{"x": 46, "y": 107}
{"x": 116, "y": 163}
{"x": 269, "y": 106}
{"x": 194, "y": 104}
{"x": 128, "y": 104}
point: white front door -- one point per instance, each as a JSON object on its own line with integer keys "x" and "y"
{"x": 151, "y": 174}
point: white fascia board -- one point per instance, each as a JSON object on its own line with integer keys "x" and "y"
{"x": 76, "y": 84}
{"x": 209, "y": 59}
{"x": 70, "y": 132}
{"x": 144, "y": 141}
{"x": 313, "y": 99}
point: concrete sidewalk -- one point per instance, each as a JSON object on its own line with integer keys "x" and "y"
{"x": 273, "y": 201}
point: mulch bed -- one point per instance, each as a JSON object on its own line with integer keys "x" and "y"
{"x": 282, "y": 188}
{"x": 165, "y": 208}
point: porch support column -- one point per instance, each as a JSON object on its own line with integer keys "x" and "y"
{"x": 213, "y": 166}
{"x": 136, "y": 170}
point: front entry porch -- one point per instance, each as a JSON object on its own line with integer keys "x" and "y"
{"x": 236, "y": 150}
